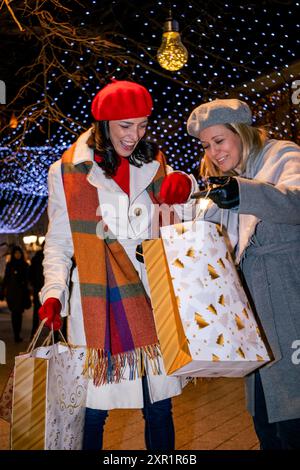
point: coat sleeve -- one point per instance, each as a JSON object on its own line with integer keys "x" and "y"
{"x": 58, "y": 250}
{"x": 279, "y": 201}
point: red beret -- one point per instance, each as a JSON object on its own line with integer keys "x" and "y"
{"x": 121, "y": 100}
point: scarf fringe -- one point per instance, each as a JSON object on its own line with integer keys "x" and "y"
{"x": 105, "y": 368}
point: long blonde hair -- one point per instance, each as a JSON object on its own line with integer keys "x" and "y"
{"x": 253, "y": 140}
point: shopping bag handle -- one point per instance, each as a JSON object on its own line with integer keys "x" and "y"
{"x": 63, "y": 338}
{"x": 48, "y": 339}
{"x": 36, "y": 336}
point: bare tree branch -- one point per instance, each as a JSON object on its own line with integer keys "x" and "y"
{"x": 7, "y": 3}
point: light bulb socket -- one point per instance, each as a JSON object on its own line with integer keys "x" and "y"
{"x": 171, "y": 25}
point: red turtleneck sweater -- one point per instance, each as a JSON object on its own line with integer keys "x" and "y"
{"x": 122, "y": 175}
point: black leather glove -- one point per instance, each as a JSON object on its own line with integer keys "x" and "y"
{"x": 225, "y": 191}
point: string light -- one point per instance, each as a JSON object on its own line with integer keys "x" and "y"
{"x": 20, "y": 212}
{"x": 221, "y": 64}
{"x": 23, "y": 194}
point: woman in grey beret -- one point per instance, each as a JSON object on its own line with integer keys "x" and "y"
{"x": 257, "y": 181}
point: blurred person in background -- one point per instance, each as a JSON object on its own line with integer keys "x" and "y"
{"x": 16, "y": 290}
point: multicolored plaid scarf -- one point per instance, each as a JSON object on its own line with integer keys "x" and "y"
{"x": 117, "y": 314}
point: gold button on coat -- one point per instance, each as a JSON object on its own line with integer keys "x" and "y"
{"x": 137, "y": 211}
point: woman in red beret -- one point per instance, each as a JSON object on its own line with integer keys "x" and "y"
{"x": 101, "y": 198}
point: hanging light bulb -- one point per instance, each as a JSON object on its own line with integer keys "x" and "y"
{"x": 172, "y": 55}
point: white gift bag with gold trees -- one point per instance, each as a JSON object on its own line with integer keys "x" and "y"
{"x": 223, "y": 336}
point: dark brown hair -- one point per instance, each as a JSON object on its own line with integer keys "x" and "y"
{"x": 99, "y": 141}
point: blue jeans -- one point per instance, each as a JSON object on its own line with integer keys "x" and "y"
{"x": 279, "y": 435}
{"x": 159, "y": 427}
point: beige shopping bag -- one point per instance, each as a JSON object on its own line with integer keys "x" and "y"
{"x": 29, "y": 403}
{"x": 173, "y": 341}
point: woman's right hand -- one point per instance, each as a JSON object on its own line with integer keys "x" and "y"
{"x": 51, "y": 309}
{"x": 175, "y": 188}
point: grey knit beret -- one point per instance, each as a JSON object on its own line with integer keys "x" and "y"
{"x": 218, "y": 112}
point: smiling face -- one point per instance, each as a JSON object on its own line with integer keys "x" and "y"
{"x": 126, "y": 134}
{"x": 222, "y": 146}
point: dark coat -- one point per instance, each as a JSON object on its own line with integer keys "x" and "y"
{"x": 15, "y": 285}
{"x": 36, "y": 275}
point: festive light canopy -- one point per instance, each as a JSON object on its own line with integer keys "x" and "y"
{"x": 244, "y": 50}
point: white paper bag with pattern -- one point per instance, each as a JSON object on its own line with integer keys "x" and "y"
{"x": 223, "y": 336}
{"x": 49, "y": 398}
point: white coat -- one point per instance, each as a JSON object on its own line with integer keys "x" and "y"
{"x": 128, "y": 218}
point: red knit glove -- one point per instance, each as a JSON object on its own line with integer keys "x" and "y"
{"x": 51, "y": 309}
{"x": 175, "y": 188}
